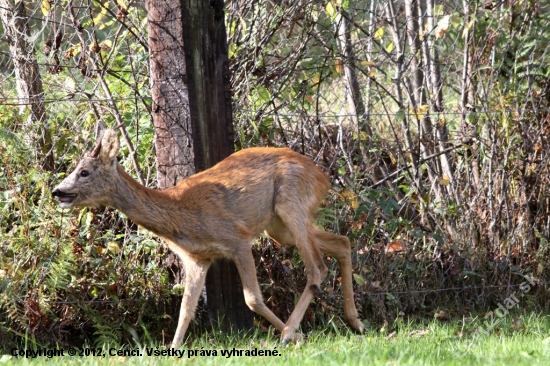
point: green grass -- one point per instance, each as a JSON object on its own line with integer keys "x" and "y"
{"x": 435, "y": 343}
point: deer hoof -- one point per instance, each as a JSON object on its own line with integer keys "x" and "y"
{"x": 356, "y": 325}
{"x": 290, "y": 336}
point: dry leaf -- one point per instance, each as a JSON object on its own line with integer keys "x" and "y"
{"x": 367, "y": 63}
{"x": 445, "y": 181}
{"x": 339, "y": 66}
{"x": 420, "y": 111}
{"x": 113, "y": 247}
{"x": 419, "y": 332}
{"x": 287, "y": 263}
{"x": 516, "y": 324}
{"x": 442, "y": 26}
{"x": 375, "y": 285}
{"x": 395, "y": 247}
{"x": 455, "y": 270}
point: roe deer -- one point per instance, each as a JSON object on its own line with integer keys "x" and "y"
{"x": 217, "y": 213}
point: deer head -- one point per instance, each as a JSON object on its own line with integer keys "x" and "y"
{"x": 90, "y": 184}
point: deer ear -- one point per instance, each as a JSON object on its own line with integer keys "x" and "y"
{"x": 100, "y": 129}
{"x": 109, "y": 146}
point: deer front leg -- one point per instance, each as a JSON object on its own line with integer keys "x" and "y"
{"x": 195, "y": 276}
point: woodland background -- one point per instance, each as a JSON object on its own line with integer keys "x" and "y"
{"x": 432, "y": 118}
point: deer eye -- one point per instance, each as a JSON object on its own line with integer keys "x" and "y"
{"x": 84, "y": 173}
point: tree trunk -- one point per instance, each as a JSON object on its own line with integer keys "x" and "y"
{"x": 436, "y": 90}
{"x": 356, "y": 106}
{"x": 28, "y": 79}
{"x": 193, "y": 119}
{"x": 206, "y": 57}
{"x": 417, "y": 92}
{"x": 170, "y": 110}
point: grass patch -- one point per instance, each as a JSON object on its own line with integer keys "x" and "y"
{"x": 524, "y": 342}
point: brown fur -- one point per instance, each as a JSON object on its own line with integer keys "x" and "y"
{"x": 218, "y": 212}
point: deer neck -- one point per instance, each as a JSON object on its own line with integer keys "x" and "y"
{"x": 149, "y": 208}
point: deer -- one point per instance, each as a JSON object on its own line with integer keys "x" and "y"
{"x": 218, "y": 213}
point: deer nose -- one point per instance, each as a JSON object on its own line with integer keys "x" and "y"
{"x": 58, "y": 192}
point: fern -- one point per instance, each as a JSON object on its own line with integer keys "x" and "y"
{"x": 105, "y": 334}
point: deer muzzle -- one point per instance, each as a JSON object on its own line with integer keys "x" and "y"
{"x": 65, "y": 198}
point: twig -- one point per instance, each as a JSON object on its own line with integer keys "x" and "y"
{"x": 420, "y": 161}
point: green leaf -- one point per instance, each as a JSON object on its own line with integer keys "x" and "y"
{"x": 400, "y": 115}
{"x": 264, "y": 96}
{"x": 379, "y": 34}
{"x": 359, "y": 279}
{"x": 456, "y": 20}
{"x": 45, "y": 7}
{"x": 8, "y": 137}
{"x": 331, "y": 11}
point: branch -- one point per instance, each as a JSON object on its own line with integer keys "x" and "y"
{"x": 421, "y": 161}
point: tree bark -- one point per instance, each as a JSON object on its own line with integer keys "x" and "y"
{"x": 168, "y": 76}
{"x": 29, "y": 82}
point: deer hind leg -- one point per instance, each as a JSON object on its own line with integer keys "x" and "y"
{"x": 195, "y": 276}
{"x": 339, "y": 247}
{"x": 289, "y": 230}
{"x": 253, "y": 296}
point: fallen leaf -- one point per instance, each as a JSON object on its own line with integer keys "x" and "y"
{"x": 287, "y": 263}
{"x": 455, "y": 270}
{"x": 375, "y": 285}
{"x": 395, "y": 247}
{"x": 419, "y": 332}
{"x": 516, "y": 324}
